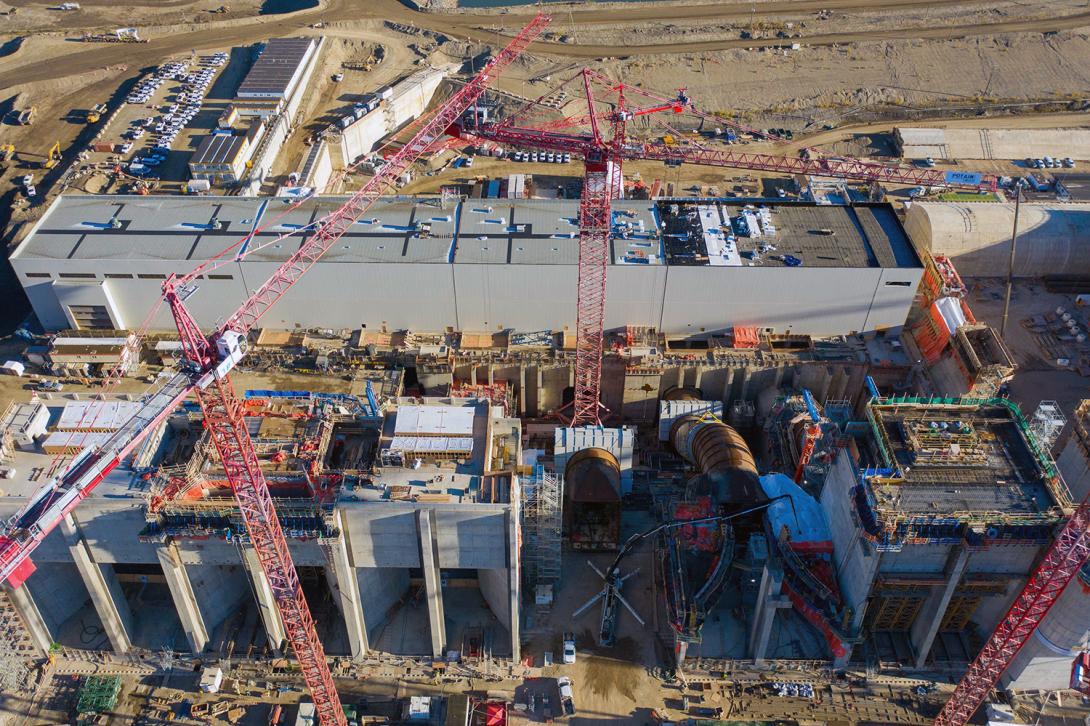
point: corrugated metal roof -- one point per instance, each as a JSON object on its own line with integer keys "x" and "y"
{"x": 218, "y": 149}
{"x": 434, "y": 420}
{"x": 400, "y": 230}
{"x": 96, "y": 415}
{"x": 273, "y": 70}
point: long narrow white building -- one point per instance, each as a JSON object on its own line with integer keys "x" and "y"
{"x": 679, "y": 266}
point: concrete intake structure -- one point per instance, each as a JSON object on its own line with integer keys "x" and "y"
{"x": 1052, "y": 239}
{"x": 592, "y": 512}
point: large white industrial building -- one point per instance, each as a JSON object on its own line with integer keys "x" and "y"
{"x": 477, "y": 265}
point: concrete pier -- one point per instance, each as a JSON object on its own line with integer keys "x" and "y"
{"x": 106, "y": 594}
{"x": 927, "y": 623}
{"x": 429, "y": 560}
{"x": 769, "y": 601}
{"x": 270, "y": 616}
{"x": 185, "y": 600}
{"x": 32, "y": 618}
{"x": 347, "y": 590}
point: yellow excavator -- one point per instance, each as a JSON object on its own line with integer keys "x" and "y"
{"x": 96, "y": 113}
{"x": 53, "y": 157}
{"x": 7, "y": 152}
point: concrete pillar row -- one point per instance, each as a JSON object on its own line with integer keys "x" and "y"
{"x": 491, "y": 374}
{"x": 826, "y": 382}
{"x": 266, "y": 604}
{"x": 728, "y": 379}
{"x": 348, "y": 590}
{"x": 697, "y": 378}
{"x": 185, "y": 601}
{"x": 472, "y": 375}
{"x": 24, "y": 605}
{"x": 926, "y": 625}
{"x": 433, "y": 584}
{"x": 769, "y": 600}
{"x": 106, "y": 594}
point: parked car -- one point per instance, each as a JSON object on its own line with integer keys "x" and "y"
{"x": 569, "y": 648}
{"x": 50, "y": 386}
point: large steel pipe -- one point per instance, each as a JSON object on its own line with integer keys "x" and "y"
{"x": 722, "y": 456}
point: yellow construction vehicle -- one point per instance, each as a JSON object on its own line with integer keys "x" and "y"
{"x": 7, "y": 152}
{"x": 96, "y": 113}
{"x": 53, "y": 157}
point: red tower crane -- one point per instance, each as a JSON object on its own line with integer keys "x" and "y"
{"x": 208, "y": 360}
{"x": 1062, "y": 561}
{"x": 602, "y": 183}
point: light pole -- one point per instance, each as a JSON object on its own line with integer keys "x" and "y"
{"x": 1010, "y": 263}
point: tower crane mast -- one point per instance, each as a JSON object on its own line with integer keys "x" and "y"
{"x": 206, "y": 365}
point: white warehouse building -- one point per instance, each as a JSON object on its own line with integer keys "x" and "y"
{"x": 680, "y": 266}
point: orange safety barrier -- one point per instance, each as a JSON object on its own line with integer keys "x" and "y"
{"x": 745, "y": 336}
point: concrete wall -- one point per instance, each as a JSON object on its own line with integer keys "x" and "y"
{"x": 380, "y": 590}
{"x": 855, "y": 558}
{"x": 1074, "y": 463}
{"x": 219, "y": 591}
{"x": 59, "y": 593}
{"x": 494, "y": 589}
{"x": 411, "y": 97}
{"x": 1052, "y": 239}
{"x": 981, "y": 143}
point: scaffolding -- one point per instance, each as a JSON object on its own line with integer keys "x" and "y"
{"x": 1047, "y": 423}
{"x": 542, "y": 494}
{"x": 98, "y": 694}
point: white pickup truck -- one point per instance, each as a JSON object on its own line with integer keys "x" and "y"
{"x": 567, "y": 695}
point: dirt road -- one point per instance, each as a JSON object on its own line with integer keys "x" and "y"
{"x": 469, "y": 27}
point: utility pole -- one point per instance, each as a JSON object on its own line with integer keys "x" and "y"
{"x": 1010, "y": 263}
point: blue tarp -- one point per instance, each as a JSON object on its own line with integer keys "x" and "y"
{"x": 300, "y": 394}
{"x": 805, "y": 520}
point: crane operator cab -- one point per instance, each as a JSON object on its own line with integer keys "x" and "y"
{"x": 230, "y": 348}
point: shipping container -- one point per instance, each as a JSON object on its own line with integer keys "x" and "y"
{"x": 493, "y": 189}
